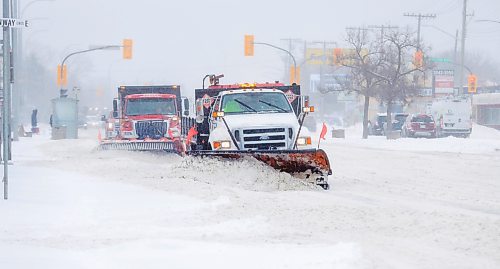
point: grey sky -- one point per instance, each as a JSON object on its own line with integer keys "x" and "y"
{"x": 181, "y": 41}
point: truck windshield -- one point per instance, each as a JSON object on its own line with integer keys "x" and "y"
{"x": 150, "y": 106}
{"x": 255, "y": 102}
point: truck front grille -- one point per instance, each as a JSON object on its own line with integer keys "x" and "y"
{"x": 151, "y": 129}
{"x": 264, "y": 139}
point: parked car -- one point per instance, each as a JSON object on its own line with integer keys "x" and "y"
{"x": 379, "y": 124}
{"x": 419, "y": 125}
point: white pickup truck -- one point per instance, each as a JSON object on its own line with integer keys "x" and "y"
{"x": 258, "y": 119}
{"x": 263, "y": 121}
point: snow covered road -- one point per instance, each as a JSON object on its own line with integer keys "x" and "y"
{"x": 409, "y": 203}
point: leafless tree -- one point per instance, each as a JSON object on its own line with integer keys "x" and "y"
{"x": 397, "y": 70}
{"x": 364, "y": 60}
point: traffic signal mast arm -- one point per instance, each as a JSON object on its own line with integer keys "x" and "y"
{"x": 282, "y": 49}
{"x": 87, "y": 50}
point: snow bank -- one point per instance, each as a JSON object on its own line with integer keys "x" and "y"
{"x": 246, "y": 173}
{"x": 483, "y": 140}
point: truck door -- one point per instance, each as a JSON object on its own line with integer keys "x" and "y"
{"x": 213, "y": 122}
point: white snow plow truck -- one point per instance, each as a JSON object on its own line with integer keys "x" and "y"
{"x": 147, "y": 118}
{"x": 263, "y": 121}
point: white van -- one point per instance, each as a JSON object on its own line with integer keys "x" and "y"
{"x": 453, "y": 116}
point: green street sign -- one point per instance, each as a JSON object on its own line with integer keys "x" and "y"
{"x": 440, "y": 60}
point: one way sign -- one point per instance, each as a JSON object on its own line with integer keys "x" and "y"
{"x": 13, "y": 23}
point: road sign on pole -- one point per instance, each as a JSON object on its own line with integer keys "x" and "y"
{"x": 440, "y": 60}
{"x": 13, "y": 23}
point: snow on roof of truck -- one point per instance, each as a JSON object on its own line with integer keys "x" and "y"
{"x": 150, "y": 95}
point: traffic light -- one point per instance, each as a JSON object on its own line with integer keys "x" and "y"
{"x": 337, "y": 56}
{"x": 249, "y": 45}
{"x": 63, "y": 93}
{"x": 127, "y": 49}
{"x": 62, "y": 76}
{"x": 294, "y": 75}
{"x": 472, "y": 83}
{"x": 419, "y": 59}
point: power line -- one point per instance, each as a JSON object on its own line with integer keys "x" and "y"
{"x": 382, "y": 28}
{"x": 419, "y": 17}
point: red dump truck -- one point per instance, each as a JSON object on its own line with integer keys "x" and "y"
{"x": 146, "y": 118}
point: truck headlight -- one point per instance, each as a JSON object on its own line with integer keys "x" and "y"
{"x": 304, "y": 141}
{"x": 222, "y": 144}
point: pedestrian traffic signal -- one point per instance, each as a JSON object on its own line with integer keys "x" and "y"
{"x": 472, "y": 83}
{"x": 249, "y": 45}
{"x": 294, "y": 75}
{"x": 62, "y": 76}
{"x": 419, "y": 59}
{"x": 127, "y": 49}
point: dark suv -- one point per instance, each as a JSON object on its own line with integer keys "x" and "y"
{"x": 419, "y": 125}
{"x": 379, "y": 125}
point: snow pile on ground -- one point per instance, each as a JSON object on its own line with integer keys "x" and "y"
{"x": 246, "y": 173}
{"x": 483, "y": 140}
{"x": 72, "y": 207}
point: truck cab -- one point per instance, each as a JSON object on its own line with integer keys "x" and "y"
{"x": 150, "y": 116}
{"x": 254, "y": 118}
{"x": 147, "y": 113}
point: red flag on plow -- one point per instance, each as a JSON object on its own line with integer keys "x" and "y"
{"x": 322, "y": 135}
{"x": 192, "y": 132}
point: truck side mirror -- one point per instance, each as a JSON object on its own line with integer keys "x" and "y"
{"x": 103, "y": 117}
{"x": 185, "y": 106}
{"x": 199, "y": 107}
{"x": 115, "y": 108}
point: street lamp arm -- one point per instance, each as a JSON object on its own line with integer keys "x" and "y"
{"x": 488, "y": 21}
{"x": 31, "y": 3}
{"x": 84, "y": 51}
{"x": 441, "y": 30}
{"x": 282, "y": 49}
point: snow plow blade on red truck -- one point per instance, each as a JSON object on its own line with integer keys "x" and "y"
{"x": 141, "y": 146}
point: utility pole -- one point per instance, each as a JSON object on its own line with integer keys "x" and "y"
{"x": 462, "y": 49}
{"x": 419, "y": 17}
{"x": 288, "y": 63}
{"x": 6, "y": 100}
